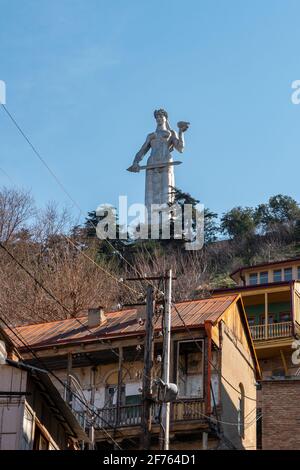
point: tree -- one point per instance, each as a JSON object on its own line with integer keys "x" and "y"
{"x": 210, "y": 226}
{"x": 16, "y": 209}
{"x": 191, "y": 268}
{"x": 281, "y": 211}
{"x": 238, "y": 223}
{"x": 106, "y": 248}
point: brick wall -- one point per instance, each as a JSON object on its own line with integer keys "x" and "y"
{"x": 281, "y": 414}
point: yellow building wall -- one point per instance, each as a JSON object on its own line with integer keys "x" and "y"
{"x": 237, "y": 367}
{"x": 297, "y": 302}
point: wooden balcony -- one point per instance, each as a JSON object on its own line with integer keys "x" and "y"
{"x": 187, "y": 410}
{"x": 271, "y": 331}
{"x": 130, "y": 415}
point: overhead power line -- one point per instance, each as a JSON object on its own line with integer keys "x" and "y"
{"x": 54, "y": 298}
{"x": 47, "y": 369}
{"x": 30, "y": 349}
{"x": 61, "y": 185}
{"x": 39, "y": 156}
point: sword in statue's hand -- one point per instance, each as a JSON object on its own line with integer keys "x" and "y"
{"x": 135, "y": 168}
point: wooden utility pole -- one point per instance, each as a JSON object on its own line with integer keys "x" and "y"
{"x": 165, "y": 412}
{"x": 148, "y": 360}
{"x": 147, "y": 377}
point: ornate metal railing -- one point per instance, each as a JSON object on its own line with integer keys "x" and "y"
{"x": 130, "y": 415}
{"x": 126, "y": 415}
{"x": 273, "y": 330}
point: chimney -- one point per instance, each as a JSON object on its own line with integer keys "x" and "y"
{"x": 96, "y": 317}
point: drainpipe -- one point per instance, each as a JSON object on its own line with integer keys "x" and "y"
{"x": 207, "y": 326}
{"x": 292, "y": 292}
{"x": 266, "y": 315}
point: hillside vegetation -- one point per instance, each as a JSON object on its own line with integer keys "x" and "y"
{"x": 51, "y": 268}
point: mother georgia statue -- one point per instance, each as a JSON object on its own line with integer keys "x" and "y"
{"x": 160, "y": 165}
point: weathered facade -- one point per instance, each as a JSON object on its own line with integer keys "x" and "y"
{"x": 213, "y": 362}
{"x": 33, "y": 415}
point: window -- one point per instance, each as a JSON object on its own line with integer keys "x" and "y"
{"x": 288, "y": 274}
{"x": 278, "y": 373}
{"x": 263, "y": 277}
{"x": 277, "y": 275}
{"x": 285, "y": 316}
{"x": 132, "y": 414}
{"x": 253, "y": 279}
{"x": 40, "y": 441}
{"x": 111, "y": 394}
{"x": 298, "y": 272}
{"x": 109, "y": 412}
{"x": 190, "y": 368}
{"x": 27, "y": 435}
{"x": 271, "y": 319}
{"x": 133, "y": 399}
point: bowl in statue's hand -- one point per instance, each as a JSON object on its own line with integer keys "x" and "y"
{"x": 183, "y": 125}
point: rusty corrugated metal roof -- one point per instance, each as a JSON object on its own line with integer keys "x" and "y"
{"x": 121, "y": 323}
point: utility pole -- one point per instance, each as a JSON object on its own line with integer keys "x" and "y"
{"x": 148, "y": 361}
{"x": 165, "y": 412}
{"x": 147, "y": 377}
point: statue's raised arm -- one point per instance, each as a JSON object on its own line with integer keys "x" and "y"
{"x": 140, "y": 155}
{"x": 178, "y": 139}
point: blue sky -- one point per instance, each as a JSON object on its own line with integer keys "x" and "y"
{"x": 84, "y": 76}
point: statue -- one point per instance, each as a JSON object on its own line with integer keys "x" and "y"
{"x": 160, "y": 165}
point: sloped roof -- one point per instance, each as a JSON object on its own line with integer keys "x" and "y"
{"x": 59, "y": 406}
{"x": 118, "y": 324}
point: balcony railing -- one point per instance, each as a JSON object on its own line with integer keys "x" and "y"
{"x": 130, "y": 415}
{"x": 271, "y": 331}
{"x": 187, "y": 410}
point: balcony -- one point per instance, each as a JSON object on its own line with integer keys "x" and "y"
{"x": 272, "y": 331}
{"x": 184, "y": 410}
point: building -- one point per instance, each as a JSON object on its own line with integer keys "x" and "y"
{"x": 281, "y": 413}
{"x": 271, "y": 297}
{"x": 268, "y": 273}
{"x": 213, "y": 362}
{"x": 33, "y": 415}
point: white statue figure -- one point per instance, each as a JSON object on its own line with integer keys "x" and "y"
{"x": 160, "y": 165}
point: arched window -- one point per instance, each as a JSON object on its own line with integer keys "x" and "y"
{"x": 241, "y": 412}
